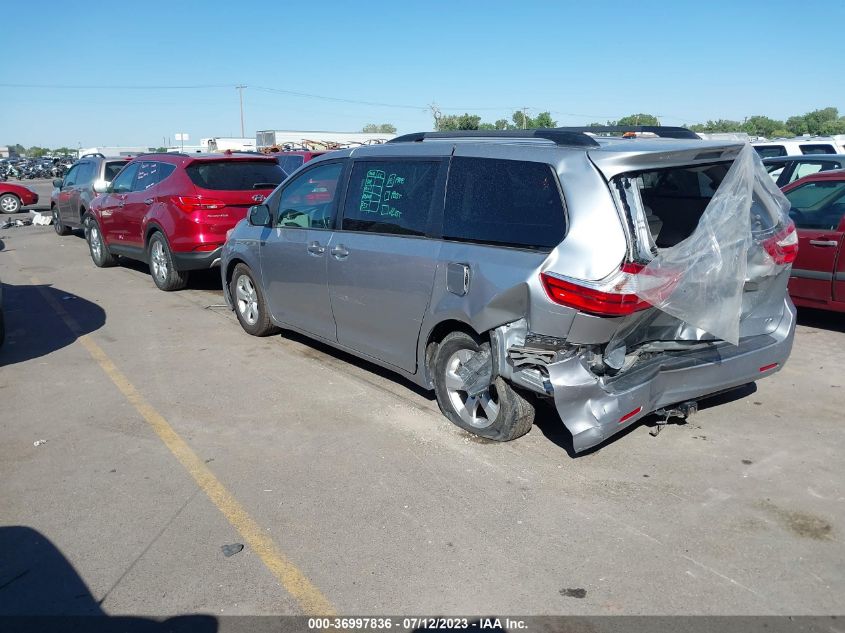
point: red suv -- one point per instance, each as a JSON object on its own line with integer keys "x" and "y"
{"x": 173, "y": 211}
{"x": 818, "y": 210}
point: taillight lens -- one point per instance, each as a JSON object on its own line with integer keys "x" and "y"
{"x": 602, "y": 298}
{"x": 782, "y": 247}
{"x": 189, "y": 204}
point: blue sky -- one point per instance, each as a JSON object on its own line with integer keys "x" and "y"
{"x": 584, "y": 61}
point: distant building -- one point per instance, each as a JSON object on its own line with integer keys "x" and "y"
{"x": 223, "y": 143}
{"x": 309, "y": 139}
{"x": 4, "y": 151}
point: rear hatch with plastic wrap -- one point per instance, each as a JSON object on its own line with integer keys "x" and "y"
{"x": 709, "y": 245}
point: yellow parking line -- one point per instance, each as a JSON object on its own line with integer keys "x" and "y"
{"x": 310, "y": 599}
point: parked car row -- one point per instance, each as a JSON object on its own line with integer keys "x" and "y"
{"x": 492, "y": 270}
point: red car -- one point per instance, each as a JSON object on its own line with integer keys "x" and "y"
{"x": 173, "y": 211}
{"x": 818, "y": 210}
{"x": 14, "y": 197}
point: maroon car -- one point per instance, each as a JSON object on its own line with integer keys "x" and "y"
{"x": 818, "y": 210}
{"x": 173, "y": 210}
{"x": 15, "y": 197}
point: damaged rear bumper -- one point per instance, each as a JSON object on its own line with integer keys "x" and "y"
{"x": 594, "y": 408}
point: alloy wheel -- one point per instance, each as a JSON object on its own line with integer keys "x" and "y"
{"x": 246, "y": 298}
{"x": 158, "y": 261}
{"x": 480, "y": 410}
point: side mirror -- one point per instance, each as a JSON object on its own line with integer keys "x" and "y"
{"x": 102, "y": 186}
{"x": 259, "y": 215}
{"x": 57, "y": 183}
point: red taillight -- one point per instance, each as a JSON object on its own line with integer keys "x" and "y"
{"x": 189, "y": 204}
{"x": 782, "y": 247}
{"x": 207, "y": 248}
{"x": 603, "y": 302}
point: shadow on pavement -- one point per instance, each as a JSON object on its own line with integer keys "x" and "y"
{"x": 822, "y": 319}
{"x": 34, "y": 327}
{"x": 41, "y": 591}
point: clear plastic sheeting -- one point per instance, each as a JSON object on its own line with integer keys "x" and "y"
{"x": 700, "y": 280}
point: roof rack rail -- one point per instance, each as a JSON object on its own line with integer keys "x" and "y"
{"x": 95, "y": 154}
{"x": 559, "y": 136}
{"x": 663, "y": 131}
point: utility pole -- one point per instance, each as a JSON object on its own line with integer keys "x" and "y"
{"x": 240, "y": 89}
{"x": 524, "y": 122}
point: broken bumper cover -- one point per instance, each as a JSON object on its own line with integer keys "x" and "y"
{"x": 593, "y": 408}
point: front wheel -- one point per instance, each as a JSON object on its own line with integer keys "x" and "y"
{"x": 497, "y": 412}
{"x": 96, "y": 245}
{"x": 250, "y": 305}
{"x": 162, "y": 269}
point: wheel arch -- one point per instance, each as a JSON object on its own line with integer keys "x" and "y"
{"x": 433, "y": 339}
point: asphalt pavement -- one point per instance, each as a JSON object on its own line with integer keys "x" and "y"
{"x": 144, "y": 436}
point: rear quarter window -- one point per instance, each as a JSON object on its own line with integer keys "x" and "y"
{"x": 770, "y": 151}
{"x": 239, "y": 175}
{"x": 817, "y": 148}
{"x": 112, "y": 169}
{"x": 505, "y": 202}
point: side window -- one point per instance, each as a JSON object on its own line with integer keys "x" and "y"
{"x": 123, "y": 182}
{"x": 508, "y": 202}
{"x": 70, "y": 178}
{"x": 769, "y": 151}
{"x": 818, "y": 205}
{"x": 85, "y": 175}
{"x": 817, "y": 148}
{"x": 112, "y": 169}
{"x": 308, "y": 200}
{"x": 149, "y": 175}
{"x": 805, "y": 169}
{"x": 392, "y": 196}
{"x": 775, "y": 169}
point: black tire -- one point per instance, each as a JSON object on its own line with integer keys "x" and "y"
{"x": 100, "y": 254}
{"x": 514, "y": 415}
{"x": 10, "y": 203}
{"x": 61, "y": 229}
{"x": 162, "y": 269}
{"x": 254, "y": 318}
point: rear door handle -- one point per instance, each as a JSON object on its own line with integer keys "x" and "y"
{"x": 824, "y": 242}
{"x": 340, "y": 252}
{"x": 315, "y": 248}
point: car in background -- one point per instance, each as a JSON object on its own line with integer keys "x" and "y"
{"x": 173, "y": 210}
{"x": 787, "y": 169}
{"x": 818, "y": 210}
{"x": 14, "y": 197}
{"x": 73, "y": 194}
{"x": 494, "y": 267}
{"x": 800, "y": 145}
{"x": 292, "y": 160}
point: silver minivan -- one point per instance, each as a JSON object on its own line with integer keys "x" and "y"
{"x": 501, "y": 267}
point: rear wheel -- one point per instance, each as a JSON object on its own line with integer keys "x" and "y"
{"x": 96, "y": 245}
{"x": 250, "y": 305}
{"x": 497, "y": 412}
{"x": 162, "y": 269}
{"x": 10, "y": 203}
{"x": 61, "y": 229}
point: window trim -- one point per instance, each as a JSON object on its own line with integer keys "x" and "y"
{"x": 438, "y": 198}
{"x": 519, "y": 247}
{"x": 340, "y": 192}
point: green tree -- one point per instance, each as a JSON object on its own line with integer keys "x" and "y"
{"x": 37, "y": 152}
{"x": 638, "y": 119}
{"x": 380, "y": 128}
{"x": 454, "y": 122}
{"x": 797, "y": 125}
{"x": 64, "y": 151}
{"x": 818, "y": 120}
{"x": 521, "y": 121}
{"x": 17, "y": 148}
{"x": 720, "y": 125}
{"x": 759, "y": 125}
